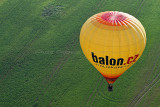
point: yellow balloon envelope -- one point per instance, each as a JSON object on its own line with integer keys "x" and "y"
{"x": 112, "y": 42}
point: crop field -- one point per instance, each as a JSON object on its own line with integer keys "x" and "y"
{"x": 42, "y": 64}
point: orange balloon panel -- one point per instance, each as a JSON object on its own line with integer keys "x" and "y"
{"x": 112, "y": 42}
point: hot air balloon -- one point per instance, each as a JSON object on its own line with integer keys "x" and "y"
{"x": 112, "y": 41}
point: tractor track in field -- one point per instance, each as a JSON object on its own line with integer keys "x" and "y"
{"x": 97, "y": 91}
{"x": 94, "y": 89}
{"x": 149, "y": 74}
{"x": 5, "y": 18}
{"x": 47, "y": 81}
{"x": 22, "y": 52}
{"x": 143, "y": 91}
{"x": 59, "y": 97}
{"x": 137, "y": 12}
{"x": 152, "y": 84}
{"x": 62, "y": 61}
{"x": 157, "y": 46}
{"x": 10, "y": 11}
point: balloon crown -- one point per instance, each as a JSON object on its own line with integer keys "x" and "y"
{"x": 112, "y": 18}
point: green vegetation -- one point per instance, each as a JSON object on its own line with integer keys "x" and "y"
{"x": 41, "y": 62}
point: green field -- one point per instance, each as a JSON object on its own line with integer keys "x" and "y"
{"x": 42, "y": 64}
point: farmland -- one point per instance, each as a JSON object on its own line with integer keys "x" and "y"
{"x": 41, "y": 62}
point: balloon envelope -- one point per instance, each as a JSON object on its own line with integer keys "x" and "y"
{"x": 112, "y": 42}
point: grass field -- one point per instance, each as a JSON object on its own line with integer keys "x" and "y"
{"x": 41, "y": 62}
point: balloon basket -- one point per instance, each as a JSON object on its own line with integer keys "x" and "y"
{"x": 110, "y": 87}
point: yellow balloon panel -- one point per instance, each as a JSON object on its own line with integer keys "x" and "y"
{"x": 112, "y": 42}
{"x": 97, "y": 56}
